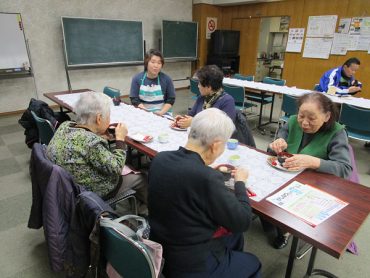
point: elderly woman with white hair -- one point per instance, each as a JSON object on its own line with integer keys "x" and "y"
{"x": 192, "y": 214}
{"x": 81, "y": 148}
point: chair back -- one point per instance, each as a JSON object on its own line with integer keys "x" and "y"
{"x": 274, "y": 81}
{"x": 354, "y": 177}
{"x": 111, "y": 92}
{"x": 194, "y": 86}
{"x": 316, "y": 87}
{"x": 126, "y": 256}
{"x": 236, "y": 92}
{"x": 358, "y": 129}
{"x": 289, "y": 105}
{"x": 45, "y": 129}
{"x": 244, "y": 77}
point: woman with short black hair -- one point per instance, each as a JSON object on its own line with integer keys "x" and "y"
{"x": 211, "y": 95}
{"x": 152, "y": 89}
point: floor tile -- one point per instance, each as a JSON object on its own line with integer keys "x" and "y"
{"x": 14, "y": 184}
{"x": 15, "y": 210}
{"x": 26, "y": 255}
{"x": 9, "y": 166}
{"x": 10, "y": 129}
{"x": 19, "y": 148}
{"x": 5, "y": 152}
{"x": 14, "y": 137}
{"x": 24, "y": 161}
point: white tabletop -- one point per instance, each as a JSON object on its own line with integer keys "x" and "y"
{"x": 293, "y": 91}
{"x": 263, "y": 178}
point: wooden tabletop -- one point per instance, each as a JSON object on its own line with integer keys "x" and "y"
{"x": 334, "y": 234}
{"x": 331, "y": 236}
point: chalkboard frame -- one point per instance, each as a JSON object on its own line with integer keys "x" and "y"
{"x": 103, "y": 64}
{"x": 179, "y": 58}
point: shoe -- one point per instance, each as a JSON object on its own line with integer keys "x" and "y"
{"x": 281, "y": 241}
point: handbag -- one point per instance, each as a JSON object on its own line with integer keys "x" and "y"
{"x": 141, "y": 236}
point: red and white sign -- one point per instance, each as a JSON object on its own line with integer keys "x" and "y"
{"x": 211, "y": 26}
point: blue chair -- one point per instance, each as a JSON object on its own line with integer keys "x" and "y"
{"x": 127, "y": 257}
{"x": 111, "y": 92}
{"x": 357, "y": 122}
{"x": 316, "y": 87}
{"x": 45, "y": 129}
{"x": 289, "y": 107}
{"x": 264, "y": 98}
{"x": 243, "y": 77}
{"x": 238, "y": 93}
{"x": 194, "y": 88}
{"x": 274, "y": 81}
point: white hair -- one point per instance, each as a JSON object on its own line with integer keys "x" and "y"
{"x": 89, "y": 105}
{"x": 210, "y": 125}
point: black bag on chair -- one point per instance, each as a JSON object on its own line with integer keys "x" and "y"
{"x": 42, "y": 110}
{"x": 243, "y": 133}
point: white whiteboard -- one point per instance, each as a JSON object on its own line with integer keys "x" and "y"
{"x": 13, "y": 51}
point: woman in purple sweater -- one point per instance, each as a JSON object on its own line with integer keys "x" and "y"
{"x": 211, "y": 95}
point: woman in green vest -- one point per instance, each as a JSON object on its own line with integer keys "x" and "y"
{"x": 317, "y": 141}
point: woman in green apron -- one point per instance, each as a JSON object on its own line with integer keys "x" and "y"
{"x": 152, "y": 89}
{"x": 317, "y": 141}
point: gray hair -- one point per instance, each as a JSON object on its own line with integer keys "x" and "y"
{"x": 89, "y": 105}
{"x": 210, "y": 125}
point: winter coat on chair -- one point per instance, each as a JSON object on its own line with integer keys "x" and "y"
{"x": 42, "y": 110}
{"x": 242, "y": 131}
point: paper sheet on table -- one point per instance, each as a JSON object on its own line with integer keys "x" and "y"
{"x": 307, "y": 202}
{"x": 263, "y": 179}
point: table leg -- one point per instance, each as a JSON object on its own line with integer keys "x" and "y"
{"x": 320, "y": 272}
{"x": 272, "y": 107}
{"x": 292, "y": 254}
{"x": 261, "y": 106}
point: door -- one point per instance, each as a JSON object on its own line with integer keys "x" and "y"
{"x": 249, "y": 34}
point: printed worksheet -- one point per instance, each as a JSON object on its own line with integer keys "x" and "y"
{"x": 307, "y": 202}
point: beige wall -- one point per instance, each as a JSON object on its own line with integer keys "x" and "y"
{"x": 298, "y": 71}
{"x": 41, "y": 20}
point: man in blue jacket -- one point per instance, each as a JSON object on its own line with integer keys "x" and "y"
{"x": 342, "y": 78}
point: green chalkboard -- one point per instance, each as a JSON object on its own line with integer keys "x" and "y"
{"x": 179, "y": 40}
{"x": 100, "y": 42}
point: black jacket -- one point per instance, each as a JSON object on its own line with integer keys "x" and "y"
{"x": 83, "y": 248}
{"x": 188, "y": 201}
{"x": 42, "y": 110}
{"x": 243, "y": 133}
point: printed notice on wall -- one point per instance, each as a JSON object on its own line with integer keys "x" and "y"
{"x": 307, "y": 202}
{"x": 344, "y": 24}
{"x": 211, "y": 26}
{"x": 321, "y": 26}
{"x": 317, "y": 48}
{"x": 341, "y": 43}
{"x": 295, "y": 40}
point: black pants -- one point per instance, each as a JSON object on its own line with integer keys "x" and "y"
{"x": 235, "y": 263}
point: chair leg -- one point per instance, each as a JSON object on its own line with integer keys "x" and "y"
{"x": 134, "y": 204}
{"x": 303, "y": 250}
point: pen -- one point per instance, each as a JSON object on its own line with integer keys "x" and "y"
{"x": 251, "y": 193}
